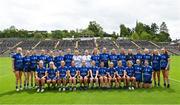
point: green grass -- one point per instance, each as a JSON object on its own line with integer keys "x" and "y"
{"x": 161, "y": 95}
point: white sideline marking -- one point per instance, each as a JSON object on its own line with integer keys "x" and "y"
{"x": 174, "y": 80}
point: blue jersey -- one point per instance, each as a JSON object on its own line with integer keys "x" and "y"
{"x": 68, "y": 59}
{"x": 72, "y": 70}
{"x": 57, "y": 60}
{"x": 83, "y": 71}
{"x": 104, "y": 57}
{"x": 138, "y": 71}
{"x": 34, "y": 60}
{"x": 27, "y": 62}
{"x": 102, "y": 71}
{"x": 120, "y": 70}
{"x": 113, "y": 58}
{"x": 18, "y": 61}
{"x": 138, "y": 56}
{"x": 130, "y": 57}
{"x": 95, "y": 58}
{"x": 122, "y": 57}
{"x": 51, "y": 73}
{"x": 164, "y": 60}
{"x": 43, "y": 58}
{"x": 62, "y": 71}
{"x": 94, "y": 69}
{"x": 147, "y": 57}
{"x": 111, "y": 71}
{"x": 130, "y": 71}
{"x": 41, "y": 72}
{"x": 49, "y": 59}
{"x": 147, "y": 73}
{"x": 156, "y": 62}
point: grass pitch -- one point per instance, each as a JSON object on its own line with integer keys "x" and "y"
{"x": 160, "y": 95}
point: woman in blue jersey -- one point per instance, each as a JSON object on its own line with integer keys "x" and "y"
{"x": 111, "y": 74}
{"x": 84, "y": 75}
{"x": 18, "y": 67}
{"x": 62, "y": 76}
{"x": 138, "y": 73}
{"x": 165, "y": 65}
{"x": 129, "y": 74}
{"x": 68, "y": 57}
{"x": 102, "y": 76}
{"x": 40, "y": 76}
{"x": 94, "y": 71}
{"x": 120, "y": 70}
{"x": 156, "y": 66}
{"x": 104, "y": 57}
{"x": 27, "y": 70}
{"x": 147, "y": 75}
{"x": 51, "y": 75}
{"x": 58, "y": 58}
{"x": 72, "y": 74}
{"x": 95, "y": 57}
{"x": 33, "y": 65}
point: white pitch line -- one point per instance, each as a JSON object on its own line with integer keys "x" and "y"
{"x": 174, "y": 80}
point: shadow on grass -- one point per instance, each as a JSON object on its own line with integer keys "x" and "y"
{"x": 33, "y": 91}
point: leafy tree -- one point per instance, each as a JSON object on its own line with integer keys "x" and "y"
{"x": 96, "y": 28}
{"x": 135, "y": 36}
{"x": 124, "y": 31}
{"x": 163, "y": 27}
{"x": 154, "y": 28}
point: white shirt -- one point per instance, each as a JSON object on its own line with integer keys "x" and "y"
{"x": 77, "y": 60}
{"x": 87, "y": 59}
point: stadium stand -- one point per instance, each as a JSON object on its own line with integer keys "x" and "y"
{"x": 109, "y": 44}
{"x": 145, "y": 44}
{"x": 64, "y": 44}
{"x": 46, "y": 45}
{"x": 127, "y": 44}
{"x": 86, "y": 44}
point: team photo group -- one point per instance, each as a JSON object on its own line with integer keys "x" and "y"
{"x": 97, "y": 69}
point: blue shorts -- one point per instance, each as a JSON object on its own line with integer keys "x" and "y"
{"x": 138, "y": 78}
{"x": 18, "y": 69}
{"x": 27, "y": 70}
{"x": 147, "y": 79}
{"x": 62, "y": 77}
{"x": 156, "y": 69}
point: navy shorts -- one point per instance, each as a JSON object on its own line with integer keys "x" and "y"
{"x": 147, "y": 79}
{"x": 156, "y": 69}
{"x": 18, "y": 69}
{"x": 51, "y": 78}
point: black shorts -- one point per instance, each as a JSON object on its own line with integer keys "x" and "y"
{"x": 33, "y": 69}
{"x": 18, "y": 69}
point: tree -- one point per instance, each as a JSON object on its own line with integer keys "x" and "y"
{"x": 163, "y": 27}
{"x": 145, "y": 36}
{"x": 135, "y": 36}
{"x": 139, "y": 28}
{"x": 38, "y": 35}
{"x": 154, "y": 28}
{"x": 96, "y": 28}
{"x": 124, "y": 31}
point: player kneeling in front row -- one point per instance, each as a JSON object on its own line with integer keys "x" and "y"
{"x": 40, "y": 76}
{"x": 51, "y": 75}
{"x": 120, "y": 70}
{"x": 102, "y": 76}
{"x": 130, "y": 76}
{"x": 147, "y": 75}
{"x": 84, "y": 75}
{"x": 62, "y": 74}
{"x": 72, "y": 73}
{"x": 94, "y": 74}
{"x": 111, "y": 75}
{"x": 138, "y": 73}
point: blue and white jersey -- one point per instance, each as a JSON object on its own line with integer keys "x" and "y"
{"x": 104, "y": 57}
{"x": 113, "y": 58}
{"x": 27, "y": 62}
{"x": 111, "y": 71}
{"x": 62, "y": 71}
{"x": 51, "y": 73}
{"x": 68, "y": 59}
{"x": 102, "y": 71}
{"x": 18, "y": 61}
{"x": 164, "y": 60}
{"x": 83, "y": 71}
{"x": 138, "y": 70}
{"x": 122, "y": 57}
{"x": 147, "y": 57}
{"x": 120, "y": 70}
{"x": 41, "y": 72}
{"x": 96, "y": 58}
{"x": 77, "y": 60}
{"x": 156, "y": 62}
{"x": 72, "y": 70}
{"x": 130, "y": 57}
{"x": 94, "y": 69}
{"x": 57, "y": 61}
{"x": 138, "y": 56}
{"x": 147, "y": 71}
{"x": 49, "y": 59}
{"x": 130, "y": 71}
{"x": 34, "y": 60}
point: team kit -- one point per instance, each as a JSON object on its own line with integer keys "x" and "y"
{"x": 69, "y": 71}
